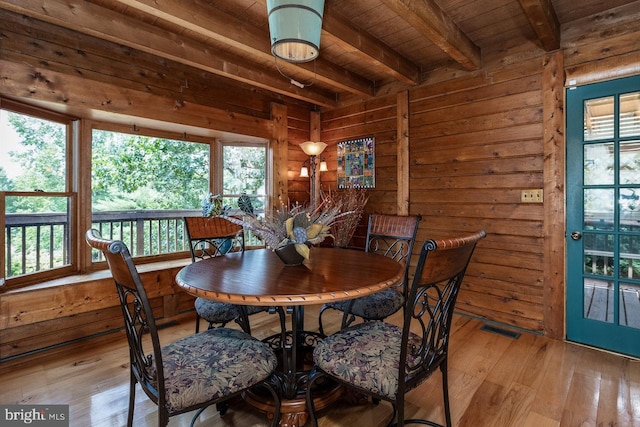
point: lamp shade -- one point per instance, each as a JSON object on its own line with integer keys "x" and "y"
{"x": 304, "y": 172}
{"x": 312, "y": 148}
{"x": 295, "y": 26}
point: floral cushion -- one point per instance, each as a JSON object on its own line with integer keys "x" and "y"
{"x": 366, "y": 356}
{"x": 220, "y": 312}
{"x": 213, "y": 364}
{"x": 375, "y": 306}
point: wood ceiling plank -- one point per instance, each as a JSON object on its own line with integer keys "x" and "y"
{"x": 99, "y": 22}
{"x": 369, "y": 49}
{"x": 544, "y": 21}
{"x": 431, "y": 21}
{"x": 204, "y": 20}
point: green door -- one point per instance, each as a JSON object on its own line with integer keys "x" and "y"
{"x": 603, "y": 215}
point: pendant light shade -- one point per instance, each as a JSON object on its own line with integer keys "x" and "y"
{"x": 295, "y": 28}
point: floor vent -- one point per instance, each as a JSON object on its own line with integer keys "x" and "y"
{"x": 500, "y": 331}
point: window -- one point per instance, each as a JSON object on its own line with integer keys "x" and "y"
{"x": 142, "y": 187}
{"x": 243, "y": 178}
{"x": 244, "y": 173}
{"x": 143, "y": 182}
{"x": 35, "y": 194}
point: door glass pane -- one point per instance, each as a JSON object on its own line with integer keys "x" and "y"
{"x": 598, "y": 209}
{"x": 598, "y": 300}
{"x": 630, "y": 114}
{"x": 598, "y": 254}
{"x": 599, "y": 164}
{"x": 630, "y": 257}
{"x": 630, "y": 162}
{"x": 598, "y": 118}
{"x": 630, "y": 209}
{"x": 630, "y": 305}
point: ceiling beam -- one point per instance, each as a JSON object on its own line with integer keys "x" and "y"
{"x": 205, "y": 20}
{"x": 431, "y": 21}
{"x": 87, "y": 18}
{"x": 369, "y": 48}
{"x": 544, "y": 21}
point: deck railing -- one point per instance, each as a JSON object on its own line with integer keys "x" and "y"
{"x": 37, "y": 242}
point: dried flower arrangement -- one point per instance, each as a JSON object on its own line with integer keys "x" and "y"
{"x": 351, "y": 200}
{"x": 297, "y": 225}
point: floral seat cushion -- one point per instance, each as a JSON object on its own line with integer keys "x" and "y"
{"x": 375, "y": 306}
{"x": 366, "y": 356}
{"x": 220, "y": 312}
{"x": 213, "y": 364}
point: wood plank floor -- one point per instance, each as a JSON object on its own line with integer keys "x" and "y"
{"x": 494, "y": 381}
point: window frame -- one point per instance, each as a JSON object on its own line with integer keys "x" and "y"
{"x": 148, "y": 132}
{"x": 79, "y": 132}
{"x": 71, "y": 125}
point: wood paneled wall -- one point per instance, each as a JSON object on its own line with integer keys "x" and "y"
{"x": 80, "y": 307}
{"x": 375, "y": 118}
{"x": 475, "y": 141}
{"x": 472, "y": 150}
{"x": 42, "y": 63}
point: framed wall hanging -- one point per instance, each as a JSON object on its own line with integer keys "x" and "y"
{"x": 356, "y": 163}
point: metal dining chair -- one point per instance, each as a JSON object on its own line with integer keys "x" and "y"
{"x": 210, "y": 237}
{"x": 190, "y": 373}
{"x": 386, "y": 361}
{"x": 392, "y": 236}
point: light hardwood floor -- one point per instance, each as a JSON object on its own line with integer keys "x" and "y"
{"x": 494, "y": 381}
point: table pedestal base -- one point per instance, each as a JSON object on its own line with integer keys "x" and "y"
{"x": 293, "y": 412}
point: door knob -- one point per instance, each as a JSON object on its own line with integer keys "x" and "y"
{"x": 576, "y": 235}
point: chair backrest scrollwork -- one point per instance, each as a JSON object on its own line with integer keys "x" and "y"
{"x": 393, "y": 236}
{"x": 137, "y": 314}
{"x": 213, "y": 236}
{"x": 432, "y": 296}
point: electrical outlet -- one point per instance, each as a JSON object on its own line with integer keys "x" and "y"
{"x": 531, "y": 196}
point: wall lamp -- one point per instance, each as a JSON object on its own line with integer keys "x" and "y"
{"x": 313, "y": 150}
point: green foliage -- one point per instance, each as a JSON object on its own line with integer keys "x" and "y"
{"x": 42, "y": 162}
{"x": 244, "y": 170}
{"x": 140, "y": 172}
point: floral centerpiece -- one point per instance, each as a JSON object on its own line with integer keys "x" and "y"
{"x": 296, "y": 226}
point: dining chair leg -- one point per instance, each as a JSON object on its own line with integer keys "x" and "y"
{"x": 311, "y": 408}
{"x": 132, "y": 399}
{"x": 195, "y": 417}
{"x": 276, "y": 400}
{"x": 197, "y": 322}
{"x": 243, "y": 320}
{"x": 320, "y": 327}
{"x": 445, "y": 393}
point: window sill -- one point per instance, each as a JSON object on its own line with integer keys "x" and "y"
{"x": 96, "y": 275}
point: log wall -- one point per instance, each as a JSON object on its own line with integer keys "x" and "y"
{"x": 475, "y": 140}
{"x": 41, "y": 63}
{"x": 473, "y": 150}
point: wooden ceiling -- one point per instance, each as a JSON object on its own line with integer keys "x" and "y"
{"x": 368, "y": 47}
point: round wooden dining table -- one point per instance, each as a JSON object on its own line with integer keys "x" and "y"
{"x": 259, "y": 277}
